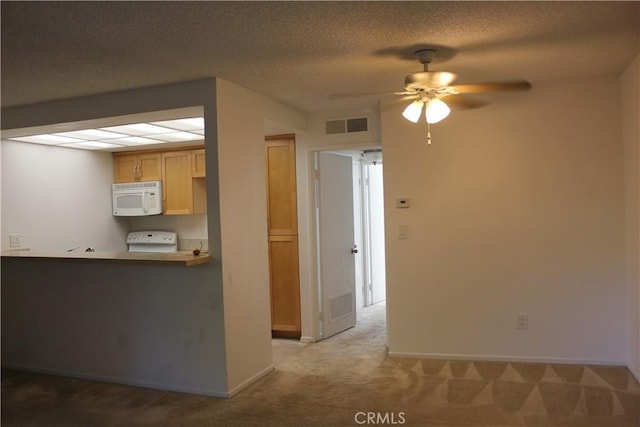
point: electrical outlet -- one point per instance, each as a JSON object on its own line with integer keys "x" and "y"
{"x": 15, "y": 240}
{"x": 522, "y": 320}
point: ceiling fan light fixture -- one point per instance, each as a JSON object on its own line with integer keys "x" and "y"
{"x": 436, "y": 111}
{"x": 413, "y": 111}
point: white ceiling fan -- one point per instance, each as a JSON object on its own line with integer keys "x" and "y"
{"x": 429, "y": 88}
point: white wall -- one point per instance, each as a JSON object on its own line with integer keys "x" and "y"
{"x": 517, "y": 207}
{"x": 630, "y": 90}
{"x": 245, "y": 261}
{"x": 59, "y": 198}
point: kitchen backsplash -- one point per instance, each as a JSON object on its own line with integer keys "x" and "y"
{"x": 191, "y": 244}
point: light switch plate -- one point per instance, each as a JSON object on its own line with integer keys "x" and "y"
{"x": 15, "y": 240}
{"x": 403, "y": 231}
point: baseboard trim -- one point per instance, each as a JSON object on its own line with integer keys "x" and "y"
{"x": 634, "y": 372}
{"x": 237, "y": 389}
{"x": 115, "y": 380}
{"x": 307, "y": 340}
{"x": 496, "y": 358}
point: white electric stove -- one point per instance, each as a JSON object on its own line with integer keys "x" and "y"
{"x": 152, "y": 241}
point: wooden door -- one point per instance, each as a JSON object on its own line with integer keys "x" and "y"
{"x": 282, "y": 220}
{"x": 177, "y": 188}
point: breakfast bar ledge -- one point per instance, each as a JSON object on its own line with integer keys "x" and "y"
{"x": 186, "y": 258}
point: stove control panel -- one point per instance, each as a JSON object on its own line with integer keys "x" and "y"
{"x": 152, "y": 241}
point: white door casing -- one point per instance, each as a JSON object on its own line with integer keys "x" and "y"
{"x": 375, "y": 210}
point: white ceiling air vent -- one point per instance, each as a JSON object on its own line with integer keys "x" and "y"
{"x": 358, "y": 124}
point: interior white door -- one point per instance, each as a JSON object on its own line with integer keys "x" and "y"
{"x": 336, "y": 242}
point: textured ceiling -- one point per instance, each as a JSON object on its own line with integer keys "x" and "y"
{"x": 301, "y": 52}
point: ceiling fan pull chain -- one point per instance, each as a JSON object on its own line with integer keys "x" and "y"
{"x": 428, "y": 133}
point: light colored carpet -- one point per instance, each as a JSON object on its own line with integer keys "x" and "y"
{"x": 347, "y": 380}
{"x": 282, "y": 349}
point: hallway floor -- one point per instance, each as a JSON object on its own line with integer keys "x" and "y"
{"x": 346, "y": 380}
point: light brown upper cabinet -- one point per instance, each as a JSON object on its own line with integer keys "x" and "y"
{"x": 182, "y": 172}
{"x": 177, "y": 184}
{"x": 282, "y": 219}
{"x": 184, "y": 186}
{"x": 130, "y": 167}
{"x": 198, "y": 169}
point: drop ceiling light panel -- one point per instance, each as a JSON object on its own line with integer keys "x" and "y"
{"x": 192, "y": 124}
{"x": 92, "y": 145}
{"x": 133, "y": 141}
{"x": 177, "y": 136}
{"x": 47, "y": 139}
{"x": 134, "y": 134}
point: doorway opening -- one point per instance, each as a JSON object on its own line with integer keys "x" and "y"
{"x": 372, "y": 206}
{"x": 349, "y": 214}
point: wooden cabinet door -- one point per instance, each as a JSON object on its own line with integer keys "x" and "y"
{"x": 285, "y": 285}
{"x": 284, "y": 276}
{"x": 150, "y": 167}
{"x": 125, "y": 167}
{"x": 177, "y": 188}
{"x": 137, "y": 167}
{"x": 198, "y": 168}
{"x": 282, "y": 218}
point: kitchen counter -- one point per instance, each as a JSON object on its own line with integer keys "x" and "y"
{"x": 185, "y": 258}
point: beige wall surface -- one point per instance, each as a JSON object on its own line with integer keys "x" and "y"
{"x": 54, "y": 197}
{"x": 517, "y": 207}
{"x": 243, "y": 213}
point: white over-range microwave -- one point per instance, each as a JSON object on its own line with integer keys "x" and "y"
{"x": 137, "y": 198}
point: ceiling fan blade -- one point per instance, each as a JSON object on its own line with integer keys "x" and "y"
{"x": 506, "y": 86}
{"x": 463, "y": 102}
{"x": 364, "y": 94}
